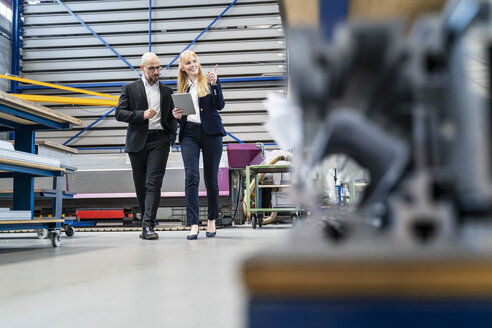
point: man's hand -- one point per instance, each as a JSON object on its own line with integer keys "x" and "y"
{"x": 149, "y": 113}
{"x": 178, "y": 113}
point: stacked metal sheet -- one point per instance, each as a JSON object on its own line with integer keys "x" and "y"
{"x": 7, "y": 215}
{"x": 7, "y": 151}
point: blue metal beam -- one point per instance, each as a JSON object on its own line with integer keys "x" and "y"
{"x": 150, "y": 25}
{"x": 167, "y": 82}
{"x": 9, "y": 125}
{"x": 123, "y": 148}
{"x": 34, "y": 118}
{"x": 95, "y": 34}
{"x": 94, "y": 85}
{"x": 233, "y": 137}
{"x": 16, "y": 44}
{"x": 29, "y": 226}
{"x": 253, "y": 79}
{"x": 89, "y": 126}
{"x": 199, "y": 35}
{"x": 36, "y": 127}
{"x": 100, "y": 118}
{"x": 101, "y": 148}
{"x": 31, "y": 171}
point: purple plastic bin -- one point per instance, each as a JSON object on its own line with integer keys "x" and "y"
{"x": 241, "y": 155}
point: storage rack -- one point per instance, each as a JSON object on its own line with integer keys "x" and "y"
{"x": 25, "y": 118}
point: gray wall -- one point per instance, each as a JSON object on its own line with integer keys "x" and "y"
{"x": 4, "y": 52}
{"x": 248, "y": 41}
{"x": 4, "y": 61}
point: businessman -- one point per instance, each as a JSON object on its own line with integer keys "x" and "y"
{"x": 146, "y": 106}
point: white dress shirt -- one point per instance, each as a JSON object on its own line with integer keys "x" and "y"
{"x": 153, "y": 94}
{"x": 195, "y": 118}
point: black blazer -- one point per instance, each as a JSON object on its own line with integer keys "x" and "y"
{"x": 131, "y": 107}
{"x": 210, "y": 105}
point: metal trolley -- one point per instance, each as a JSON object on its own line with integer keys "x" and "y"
{"x": 257, "y": 212}
{"x": 25, "y": 118}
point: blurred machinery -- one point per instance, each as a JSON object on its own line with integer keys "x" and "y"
{"x": 413, "y": 108}
{"x": 406, "y": 109}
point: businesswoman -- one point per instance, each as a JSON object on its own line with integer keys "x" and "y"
{"x": 200, "y": 131}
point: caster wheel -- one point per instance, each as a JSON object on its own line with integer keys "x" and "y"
{"x": 69, "y": 231}
{"x": 260, "y": 221}
{"x": 55, "y": 238}
{"x": 42, "y": 233}
{"x": 253, "y": 221}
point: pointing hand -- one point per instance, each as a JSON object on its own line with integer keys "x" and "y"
{"x": 212, "y": 76}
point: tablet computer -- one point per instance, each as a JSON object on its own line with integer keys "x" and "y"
{"x": 183, "y": 101}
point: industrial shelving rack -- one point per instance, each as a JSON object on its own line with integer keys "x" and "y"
{"x": 25, "y": 118}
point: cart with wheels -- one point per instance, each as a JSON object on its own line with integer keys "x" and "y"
{"x": 258, "y": 212}
{"x": 23, "y": 165}
{"x": 51, "y": 227}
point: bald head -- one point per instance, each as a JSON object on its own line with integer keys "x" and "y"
{"x": 151, "y": 67}
{"x": 148, "y": 57}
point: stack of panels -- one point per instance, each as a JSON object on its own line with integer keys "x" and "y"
{"x": 7, "y": 215}
{"x": 247, "y": 42}
{"x": 7, "y": 151}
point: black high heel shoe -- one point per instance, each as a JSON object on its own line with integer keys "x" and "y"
{"x": 211, "y": 234}
{"x": 192, "y": 237}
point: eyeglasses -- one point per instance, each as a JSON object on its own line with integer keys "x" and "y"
{"x": 153, "y": 68}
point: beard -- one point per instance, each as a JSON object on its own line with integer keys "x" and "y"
{"x": 152, "y": 78}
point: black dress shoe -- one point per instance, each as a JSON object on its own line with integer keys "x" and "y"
{"x": 149, "y": 234}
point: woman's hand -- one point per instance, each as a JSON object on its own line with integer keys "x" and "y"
{"x": 212, "y": 76}
{"x": 178, "y": 113}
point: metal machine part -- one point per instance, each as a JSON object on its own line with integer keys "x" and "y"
{"x": 404, "y": 108}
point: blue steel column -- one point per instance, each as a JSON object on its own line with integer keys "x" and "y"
{"x": 24, "y": 183}
{"x": 16, "y": 44}
{"x": 57, "y": 202}
{"x": 150, "y": 25}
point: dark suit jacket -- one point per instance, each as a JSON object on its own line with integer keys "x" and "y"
{"x": 210, "y": 105}
{"x": 131, "y": 107}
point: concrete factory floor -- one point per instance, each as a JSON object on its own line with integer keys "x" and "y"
{"x": 115, "y": 279}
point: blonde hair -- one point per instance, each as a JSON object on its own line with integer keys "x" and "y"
{"x": 183, "y": 79}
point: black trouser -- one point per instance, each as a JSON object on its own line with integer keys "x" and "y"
{"x": 192, "y": 141}
{"x": 149, "y": 166}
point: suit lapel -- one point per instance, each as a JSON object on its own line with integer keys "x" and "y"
{"x": 142, "y": 94}
{"x": 162, "y": 103}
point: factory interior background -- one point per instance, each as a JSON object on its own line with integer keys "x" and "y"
{"x": 354, "y": 181}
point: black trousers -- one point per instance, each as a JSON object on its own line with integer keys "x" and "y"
{"x": 192, "y": 141}
{"x": 149, "y": 166}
